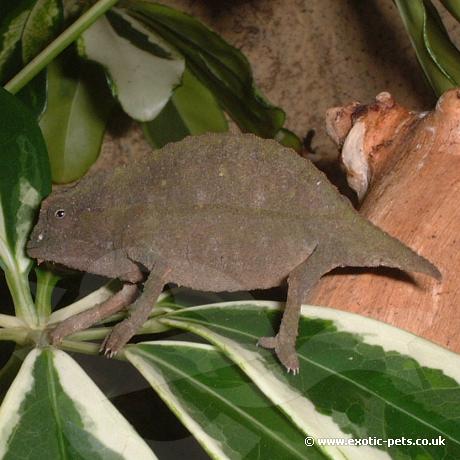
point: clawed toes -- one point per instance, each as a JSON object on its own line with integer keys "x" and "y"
{"x": 109, "y": 347}
{"x": 285, "y": 351}
{"x": 116, "y": 340}
{"x": 288, "y": 358}
{"x": 294, "y": 370}
{"x": 109, "y": 353}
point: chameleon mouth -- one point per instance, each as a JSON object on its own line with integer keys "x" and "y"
{"x": 34, "y": 252}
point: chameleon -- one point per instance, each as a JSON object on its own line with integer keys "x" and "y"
{"x": 214, "y": 212}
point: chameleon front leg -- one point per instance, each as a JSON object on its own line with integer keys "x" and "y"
{"x": 300, "y": 281}
{"x": 124, "y": 297}
{"x": 138, "y": 314}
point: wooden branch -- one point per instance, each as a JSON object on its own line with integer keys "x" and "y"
{"x": 413, "y": 172}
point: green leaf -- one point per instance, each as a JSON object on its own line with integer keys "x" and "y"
{"x": 454, "y": 8}
{"x": 25, "y": 29}
{"x": 223, "y": 69}
{"x": 24, "y": 173}
{"x": 14, "y": 17}
{"x": 54, "y": 410}
{"x": 24, "y": 182}
{"x": 141, "y": 80}
{"x": 289, "y": 139}
{"x": 191, "y": 110}
{"x": 75, "y": 118}
{"x": 33, "y": 95}
{"x": 96, "y": 297}
{"x": 221, "y": 407}
{"x": 33, "y": 68}
{"x": 11, "y": 368}
{"x": 358, "y": 377}
{"x": 436, "y": 53}
{"x": 441, "y": 49}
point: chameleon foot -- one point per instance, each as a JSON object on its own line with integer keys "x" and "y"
{"x": 285, "y": 350}
{"x": 56, "y": 335}
{"x": 116, "y": 339}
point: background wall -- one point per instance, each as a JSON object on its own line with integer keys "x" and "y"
{"x": 309, "y": 55}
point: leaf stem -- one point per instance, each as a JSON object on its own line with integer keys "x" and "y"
{"x": 96, "y": 297}
{"x": 90, "y": 334}
{"x": 10, "y": 321}
{"x": 18, "y": 284}
{"x": 20, "y": 335}
{"x": 46, "y": 280}
{"x": 57, "y": 46}
{"x": 87, "y": 348}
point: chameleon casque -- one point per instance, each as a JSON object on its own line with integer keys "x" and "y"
{"x": 216, "y": 212}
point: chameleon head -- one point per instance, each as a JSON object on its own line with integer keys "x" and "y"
{"x": 60, "y": 235}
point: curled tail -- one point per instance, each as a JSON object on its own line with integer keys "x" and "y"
{"x": 372, "y": 247}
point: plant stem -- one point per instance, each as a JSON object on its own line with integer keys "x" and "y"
{"x": 46, "y": 280}
{"x": 10, "y": 321}
{"x": 20, "y": 335}
{"x": 18, "y": 284}
{"x": 57, "y": 46}
{"x": 87, "y": 348}
{"x": 80, "y": 347}
{"x": 96, "y": 297}
{"x": 90, "y": 334}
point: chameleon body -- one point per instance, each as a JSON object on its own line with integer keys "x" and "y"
{"x": 216, "y": 212}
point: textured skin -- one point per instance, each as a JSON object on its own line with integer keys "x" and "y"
{"x": 216, "y": 212}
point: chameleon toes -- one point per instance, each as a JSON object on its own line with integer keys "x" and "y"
{"x": 116, "y": 340}
{"x": 288, "y": 357}
{"x": 285, "y": 351}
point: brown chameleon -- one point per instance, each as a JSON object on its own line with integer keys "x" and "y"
{"x": 216, "y": 212}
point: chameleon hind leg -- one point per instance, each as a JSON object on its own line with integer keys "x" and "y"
{"x": 300, "y": 281}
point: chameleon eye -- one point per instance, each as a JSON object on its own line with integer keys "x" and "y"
{"x": 59, "y": 214}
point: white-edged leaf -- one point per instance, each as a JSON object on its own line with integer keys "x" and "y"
{"x": 220, "y": 406}
{"x": 358, "y": 377}
{"x": 142, "y": 81}
{"x": 191, "y": 110}
{"x": 54, "y": 410}
{"x": 222, "y": 68}
{"x": 98, "y": 296}
{"x": 24, "y": 181}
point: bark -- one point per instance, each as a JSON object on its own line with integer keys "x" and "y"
{"x": 413, "y": 163}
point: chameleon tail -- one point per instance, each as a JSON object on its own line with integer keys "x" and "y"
{"x": 381, "y": 249}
